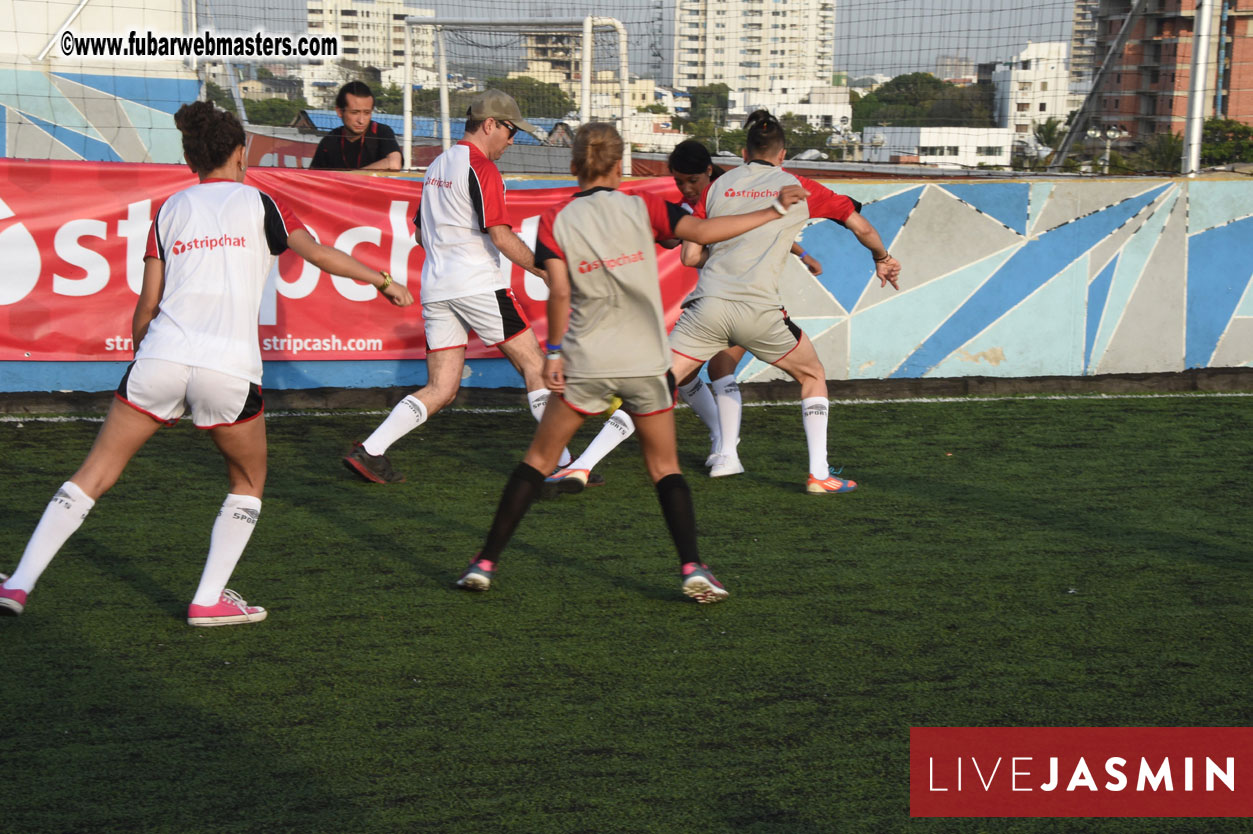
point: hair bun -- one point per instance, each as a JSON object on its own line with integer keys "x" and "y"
{"x": 760, "y": 118}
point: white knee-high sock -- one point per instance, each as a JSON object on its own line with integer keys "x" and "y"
{"x": 726, "y": 393}
{"x": 231, "y": 532}
{"x": 408, "y": 414}
{"x": 696, "y": 394}
{"x": 538, "y": 401}
{"x": 617, "y": 428}
{"x": 814, "y": 415}
{"x": 63, "y": 515}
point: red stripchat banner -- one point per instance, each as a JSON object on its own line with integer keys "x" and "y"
{"x": 1081, "y": 771}
{"x": 72, "y": 237}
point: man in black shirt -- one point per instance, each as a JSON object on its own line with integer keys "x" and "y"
{"x": 361, "y": 142}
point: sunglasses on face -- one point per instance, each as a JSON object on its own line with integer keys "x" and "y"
{"x": 512, "y": 128}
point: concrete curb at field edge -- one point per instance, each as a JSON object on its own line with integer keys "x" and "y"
{"x": 1205, "y": 380}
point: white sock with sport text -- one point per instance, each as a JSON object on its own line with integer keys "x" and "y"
{"x": 408, "y": 414}
{"x": 538, "y": 401}
{"x": 696, "y": 394}
{"x": 617, "y": 428}
{"x": 63, "y": 515}
{"x": 726, "y": 393}
{"x": 814, "y": 414}
{"x": 231, "y": 532}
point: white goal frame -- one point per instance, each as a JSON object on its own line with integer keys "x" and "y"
{"x": 587, "y": 26}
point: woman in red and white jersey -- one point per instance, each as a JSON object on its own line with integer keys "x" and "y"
{"x": 195, "y": 330}
{"x": 607, "y": 339}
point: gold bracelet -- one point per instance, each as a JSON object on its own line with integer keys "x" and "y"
{"x": 387, "y": 280}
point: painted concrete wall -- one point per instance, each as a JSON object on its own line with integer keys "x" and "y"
{"x": 1007, "y": 279}
{"x": 98, "y": 116}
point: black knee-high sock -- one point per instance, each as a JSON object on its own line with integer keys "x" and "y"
{"x": 521, "y": 490}
{"x": 676, "y": 506}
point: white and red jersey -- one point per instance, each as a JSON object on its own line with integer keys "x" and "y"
{"x": 747, "y": 268}
{"x": 462, "y": 197}
{"x": 607, "y": 240}
{"x": 218, "y": 241}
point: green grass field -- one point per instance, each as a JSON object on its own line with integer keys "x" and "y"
{"x": 1015, "y": 562}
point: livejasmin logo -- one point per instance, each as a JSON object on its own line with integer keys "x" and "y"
{"x": 1081, "y": 771}
{"x": 1078, "y": 775}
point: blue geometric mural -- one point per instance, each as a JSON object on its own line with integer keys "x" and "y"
{"x": 1064, "y": 277}
{"x": 102, "y": 118}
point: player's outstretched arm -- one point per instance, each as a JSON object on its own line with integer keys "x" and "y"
{"x": 341, "y": 263}
{"x": 885, "y": 266}
{"x": 558, "y": 318}
{"x": 512, "y": 247}
{"x": 716, "y": 229}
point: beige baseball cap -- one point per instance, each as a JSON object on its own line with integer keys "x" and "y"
{"x": 494, "y": 104}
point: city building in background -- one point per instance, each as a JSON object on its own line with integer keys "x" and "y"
{"x": 1147, "y": 85}
{"x": 1032, "y": 87}
{"x": 372, "y": 45}
{"x": 1083, "y": 63}
{"x": 749, "y": 45}
{"x": 944, "y": 147}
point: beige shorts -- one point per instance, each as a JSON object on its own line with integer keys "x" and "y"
{"x": 494, "y": 317}
{"x": 165, "y": 391}
{"x": 641, "y": 395}
{"x": 710, "y": 324}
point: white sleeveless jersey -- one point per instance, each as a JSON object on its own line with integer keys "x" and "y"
{"x": 218, "y": 241}
{"x": 463, "y": 196}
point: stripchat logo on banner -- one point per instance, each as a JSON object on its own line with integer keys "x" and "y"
{"x": 1081, "y": 772}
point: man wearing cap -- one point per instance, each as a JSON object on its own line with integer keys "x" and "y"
{"x": 464, "y": 229}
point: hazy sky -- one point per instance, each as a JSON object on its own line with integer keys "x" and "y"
{"x": 884, "y": 36}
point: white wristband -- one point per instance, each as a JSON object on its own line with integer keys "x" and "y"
{"x": 778, "y": 206}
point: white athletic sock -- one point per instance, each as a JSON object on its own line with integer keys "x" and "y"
{"x": 231, "y": 531}
{"x": 696, "y": 394}
{"x": 617, "y": 428}
{"x": 63, "y": 515}
{"x": 408, "y": 414}
{"x": 538, "y": 401}
{"x": 726, "y": 393}
{"x": 814, "y": 415}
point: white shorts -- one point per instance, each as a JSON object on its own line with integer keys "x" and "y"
{"x": 709, "y": 325}
{"x": 166, "y": 390}
{"x": 494, "y": 317}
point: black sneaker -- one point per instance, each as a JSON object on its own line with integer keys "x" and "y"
{"x": 376, "y": 468}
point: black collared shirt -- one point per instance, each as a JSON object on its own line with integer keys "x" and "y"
{"x": 337, "y": 151}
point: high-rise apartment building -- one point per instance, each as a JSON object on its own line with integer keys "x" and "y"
{"x": 749, "y": 44}
{"x": 1083, "y": 41}
{"x": 1147, "y": 85}
{"x": 1031, "y": 88}
{"x": 372, "y": 32}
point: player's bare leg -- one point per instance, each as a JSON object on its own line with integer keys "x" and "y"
{"x": 805, "y": 367}
{"x": 124, "y": 433}
{"x": 524, "y": 354}
{"x": 243, "y": 446}
{"x": 443, "y": 372}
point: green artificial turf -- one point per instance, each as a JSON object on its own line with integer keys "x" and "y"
{"x": 1004, "y": 563}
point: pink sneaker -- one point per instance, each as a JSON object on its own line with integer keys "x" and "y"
{"x": 12, "y": 602}
{"x": 230, "y": 610}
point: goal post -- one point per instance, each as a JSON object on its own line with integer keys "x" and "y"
{"x": 584, "y": 29}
